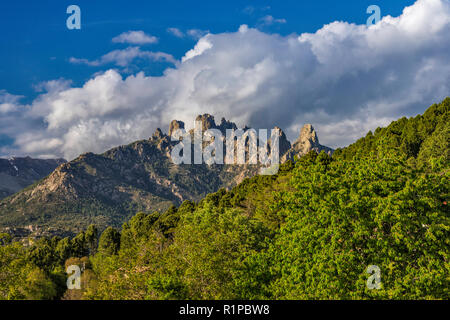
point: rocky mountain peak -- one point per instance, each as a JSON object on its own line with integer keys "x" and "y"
{"x": 225, "y": 124}
{"x": 306, "y": 142}
{"x": 158, "y": 134}
{"x": 284, "y": 144}
{"x": 175, "y": 125}
{"x": 308, "y": 134}
{"x": 207, "y": 121}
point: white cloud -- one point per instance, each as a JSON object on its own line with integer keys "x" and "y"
{"x": 197, "y": 33}
{"x": 123, "y": 57}
{"x": 269, "y": 20}
{"x": 202, "y": 45}
{"x": 345, "y": 79}
{"x": 135, "y": 37}
{"x": 193, "y": 33}
{"x": 176, "y": 32}
{"x": 53, "y": 85}
{"x": 8, "y": 102}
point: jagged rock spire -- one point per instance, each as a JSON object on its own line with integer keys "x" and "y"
{"x": 306, "y": 142}
{"x": 309, "y": 134}
{"x": 207, "y": 121}
{"x": 283, "y": 142}
{"x": 175, "y": 125}
{"x": 158, "y": 134}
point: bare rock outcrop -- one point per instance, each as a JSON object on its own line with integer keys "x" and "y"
{"x": 307, "y": 141}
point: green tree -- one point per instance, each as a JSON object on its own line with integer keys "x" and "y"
{"x": 91, "y": 238}
{"x": 109, "y": 243}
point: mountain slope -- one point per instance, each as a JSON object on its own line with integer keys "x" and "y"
{"x": 17, "y": 173}
{"x": 109, "y": 188}
{"x": 422, "y": 137}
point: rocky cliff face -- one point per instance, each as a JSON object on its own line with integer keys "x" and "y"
{"x": 106, "y": 189}
{"x": 18, "y": 173}
{"x": 175, "y": 125}
{"x": 306, "y": 142}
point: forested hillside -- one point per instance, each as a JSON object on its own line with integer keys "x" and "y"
{"x": 309, "y": 232}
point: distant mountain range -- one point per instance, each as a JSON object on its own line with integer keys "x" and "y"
{"x": 107, "y": 189}
{"x": 18, "y": 173}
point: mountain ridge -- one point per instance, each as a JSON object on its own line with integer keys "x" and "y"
{"x": 16, "y": 173}
{"x": 106, "y": 189}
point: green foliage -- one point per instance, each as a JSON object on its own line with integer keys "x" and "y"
{"x": 91, "y": 239}
{"x": 309, "y": 232}
{"x": 406, "y": 138}
{"x": 352, "y": 214}
{"x": 20, "y": 278}
{"x": 109, "y": 243}
{"x": 5, "y": 239}
{"x": 210, "y": 249}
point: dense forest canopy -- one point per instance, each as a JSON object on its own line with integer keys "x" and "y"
{"x": 309, "y": 232}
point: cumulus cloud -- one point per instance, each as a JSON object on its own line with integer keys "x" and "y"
{"x": 345, "y": 79}
{"x": 135, "y": 37}
{"x": 201, "y": 46}
{"x": 8, "y": 102}
{"x": 123, "y": 57}
{"x": 53, "y": 85}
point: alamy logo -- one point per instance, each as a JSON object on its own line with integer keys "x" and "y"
{"x": 376, "y": 15}
{"x": 74, "y": 279}
{"x": 74, "y": 20}
{"x": 374, "y": 281}
{"x": 261, "y": 150}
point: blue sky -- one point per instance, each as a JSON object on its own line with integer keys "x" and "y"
{"x": 36, "y": 45}
{"x": 136, "y": 65}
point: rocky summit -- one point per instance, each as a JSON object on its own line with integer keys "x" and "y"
{"x": 306, "y": 142}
